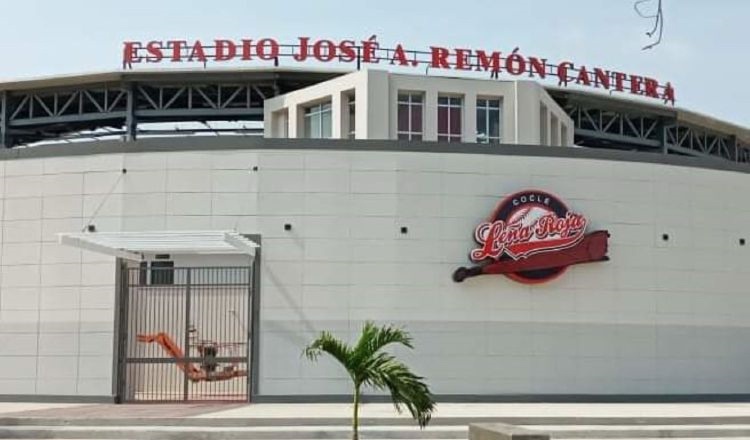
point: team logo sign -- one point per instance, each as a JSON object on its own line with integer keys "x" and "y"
{"x": 533, "y": 237}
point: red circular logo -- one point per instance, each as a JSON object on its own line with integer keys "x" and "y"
{"x": 531, "y": 237}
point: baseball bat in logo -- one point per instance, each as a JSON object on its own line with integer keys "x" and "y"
{"x": 533, "y": 237}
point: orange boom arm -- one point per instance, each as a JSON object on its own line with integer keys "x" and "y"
{"x": 193, "y": 373}
{"x": 170, "y": 346}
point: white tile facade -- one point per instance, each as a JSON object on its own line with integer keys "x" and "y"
{"x": 541, "y": 120}
{"x": 660, "y": 317}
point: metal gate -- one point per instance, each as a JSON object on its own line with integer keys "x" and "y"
{"x": 185, "y": 334}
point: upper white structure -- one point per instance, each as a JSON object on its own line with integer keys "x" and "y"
{"x": 373, "y": 104}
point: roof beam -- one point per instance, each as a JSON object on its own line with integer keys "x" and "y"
{"x": 135, "y": 245}
{"x": 625, "y": 140}
{"x": 71, "y": 240}
{"x": 243, "y": 245}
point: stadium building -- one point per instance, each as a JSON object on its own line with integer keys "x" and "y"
{"x": 180, "y": 235}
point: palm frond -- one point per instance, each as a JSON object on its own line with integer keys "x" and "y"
{"x": 407, "y": 389}
{"x": 374, "y": 339}
{"x": 368, "y": 365}
{"x": 327, "y": 343}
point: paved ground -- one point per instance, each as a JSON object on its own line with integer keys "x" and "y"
{"x": 495, "y": 410}
{"x": 110, "y": 411}
{"x": 205, "y": 421}
{"x": 373, "y": 410}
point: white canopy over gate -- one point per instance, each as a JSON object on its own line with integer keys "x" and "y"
{"x": 135, "y": 245}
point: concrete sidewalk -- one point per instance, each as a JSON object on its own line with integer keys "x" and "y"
{"x": 376, "y": 410}
{"x": 373, "y": 410}
{"x": 211, "y": 421}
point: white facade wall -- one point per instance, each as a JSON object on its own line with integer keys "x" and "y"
{"x": 660, "y": 317}
{"x": 376, "y": 111}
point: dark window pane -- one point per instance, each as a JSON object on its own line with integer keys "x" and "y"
{"x": 455, "y": 120}
{"x": 442, "y": 138}
{"x": 325, "y": 124}
{"x": 416, "y": 118}
{"x": 481, "y": 125}
{"x": 442, "y": 120}
{"x": 308, "y": 126}
{"x": 403, "y": 136}
{"x": 494, "y": 123}
{"x": 403, "y": 117}
{"x": 416, "y": 137}
{"x": 162, "y": 272}
{"x": 315, "y": 126}
{"x": 442, "y": 100}
{"x": 416, "y": 98}
{"x": 481, "y": 102}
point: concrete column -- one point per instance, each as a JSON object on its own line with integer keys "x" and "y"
{"x": 549, "y": 126}
{"x": 376, "y": 106}
{"x": 430, "y": 115}
{"x": 734, "y": 147}
{"x": 4, "y": 138}
{"x": 131, "y": 123}
{"x": 505, "y": 130}
{"x": 542, "y": 124}
{"x": 469, "y": 122}
{"x": 279, "y": 124}
{"x": 345, "y": 128}
{"x": 295, "y": 129}
{"x": 337, "y": 100}
{"x": 360, "y": 110}
{"x": 663, "y": 137}
{"x": 554, "y": 130}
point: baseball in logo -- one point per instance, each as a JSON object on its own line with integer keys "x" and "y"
{"x": 533, "y": 237}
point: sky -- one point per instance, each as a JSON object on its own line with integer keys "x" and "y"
{"x": 705, "y": 52}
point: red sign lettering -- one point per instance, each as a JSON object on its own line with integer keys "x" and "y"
{"x": 514, "y": 63}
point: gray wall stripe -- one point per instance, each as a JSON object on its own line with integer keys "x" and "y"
{"x": 196, "y": 143}
{"x": 446, "y": 398}
{"x": 48, "y": 398}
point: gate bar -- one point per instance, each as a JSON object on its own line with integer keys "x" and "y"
{"x": 186, "y": 351}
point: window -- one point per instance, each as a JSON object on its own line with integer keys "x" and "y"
{"x": 410, "y": 106}
{"x": 162, "y": 273}
{"x": 352, "y": 117}
{"x": 449, "y": 119}
{"x": 489, "y": 121}
{"x": 318, "y": 121}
